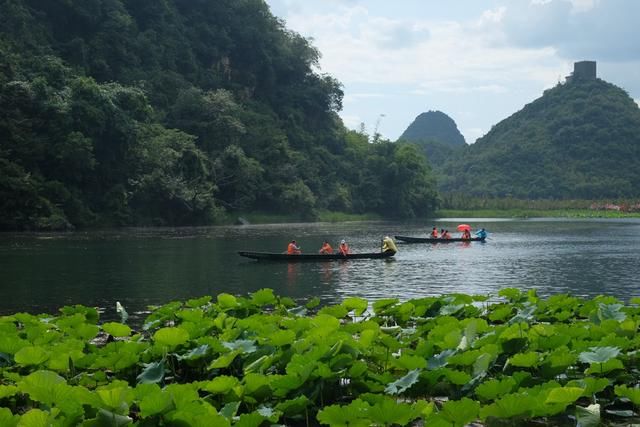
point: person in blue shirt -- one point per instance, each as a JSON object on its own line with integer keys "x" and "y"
{"x": 482, "y": 234}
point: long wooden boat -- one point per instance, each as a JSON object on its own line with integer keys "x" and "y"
{"x": 271, "y": 256}
{"x": 407, "y": 239}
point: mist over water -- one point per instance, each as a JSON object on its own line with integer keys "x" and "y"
{"x": 139, "y": 267}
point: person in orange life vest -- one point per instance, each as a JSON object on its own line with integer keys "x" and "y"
{"x": 434, "y": 233}
{"x": 344, "y": 248}
{"x": 293, "y": 248}
{"x": 466, "y": 234}
{"x": 326, "y": 248}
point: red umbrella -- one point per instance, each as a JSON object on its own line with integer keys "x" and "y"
{"x": 463, "y": 227}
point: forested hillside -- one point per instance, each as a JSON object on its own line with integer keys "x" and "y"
{"x": 580, "y": 140}
{"x": 169, "y": 112}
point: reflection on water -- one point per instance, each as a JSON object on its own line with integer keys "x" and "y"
{"x": 41, "y": 272}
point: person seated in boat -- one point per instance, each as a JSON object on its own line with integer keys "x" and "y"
{"x": 466, "y": 234}
{"x": 388, "y": 245}
{"x": 434, "y": 233}
{"x": 293, "y": 248}
{"x": 344, "y": 248}
{"x": 326, "y": 248}
{"x": 442, "y": 233}
{"x": 482, "y": 234}
{"x": 446, "y": 235}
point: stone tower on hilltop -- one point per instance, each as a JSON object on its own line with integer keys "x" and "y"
{"x": 582, "y": 70}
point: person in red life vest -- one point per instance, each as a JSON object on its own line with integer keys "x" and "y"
{"x": 326, "y": 248}
{"x": 434, "y": 233}
{"x": 466, "y": 234}
{"x": 293, "y": 248}
{"x": 344, "y": 248}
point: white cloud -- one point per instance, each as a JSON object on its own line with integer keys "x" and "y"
{"x": 405, "y": 59}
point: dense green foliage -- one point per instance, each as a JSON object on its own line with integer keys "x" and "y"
{"x": 262, "y": 359}
{"x": 580, "y": 140}
{"x": 170, "y": 111}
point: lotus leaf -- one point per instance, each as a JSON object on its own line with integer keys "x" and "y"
{"x": 263, "y": 297}
{"x": 599, "y": 354}
{"x": 195, "y": 353}
{"x": 154, "y": 401}
{"x": 116, "y": 397}
{"x": 461, "y": 412}
{"x": 116, "y": 329}
{"x": 564, "y": 395}
{"x": 31, "y": 356}
{"x": 171, "y": 337}
{"x": 227, "y": 301}
{"x": 404, "y": 383}
{"x": 153, "y": 373}
{"x": 353, "y": 415}
{"x": 198, "y": 302}
{"x": 589, "y": 416}
{"x": 35, "y": 418}
{"x": 391, "y": 412}
{"x": 294, "y": 406}
{"x": 525, "y": 360}
{"x": 224, "y": 360}
{"x": 631, "y": 393}
{"x": 219, "y": 385}
{"x": 197, "y": 414}
{"x": 494, "y": 388}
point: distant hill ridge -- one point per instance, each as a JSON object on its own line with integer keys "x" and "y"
{"x": 579, "y": 140}
{"x": 434, "y": 126}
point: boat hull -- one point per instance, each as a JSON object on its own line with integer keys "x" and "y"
{"x": 407, "y": 239}
{"x": 270, "y": 256}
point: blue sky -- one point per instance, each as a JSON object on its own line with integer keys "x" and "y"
{"x": 479, "y": 61}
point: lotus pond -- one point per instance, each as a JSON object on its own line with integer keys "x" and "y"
{"x": 263, "y": 360}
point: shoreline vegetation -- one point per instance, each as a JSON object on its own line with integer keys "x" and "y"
{"x": 262, "y": 359}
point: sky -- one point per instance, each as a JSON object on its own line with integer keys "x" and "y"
{"x": 478, "y": 61}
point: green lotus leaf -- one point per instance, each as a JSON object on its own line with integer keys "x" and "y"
{"x": 450, "y": 309}
{"x": 336, "y": 311}
{"x": 500, "y": 313}
{"x": 116, "y": 397}
{"x": 525, "y": 360}
{"x": 243, "y": 346}
{"x": 257, "y": 385}
{"x": 7, "y": 418}
{"x": 509, "y": 406}
{"x": 294, "y": 407}
{"x": 382, "y": 304}
{"x": 253, "y": 419}
{"x": 599, "y": 354}
{"x": 512, "y": 294}
{"x": 194, "y": 315}
{"x": 230, "y": 410}
{"x": 31, "y": 356}
{"x": 611, "y": 312}
{"x": 197, "y": 414}
{"x": 312, "y": 303}
{"x": 85, "y": 331}
{"x": 171, "y": 337}
{"x": 367, "y": 337}
{"x": 90, "y": 314}
{"x": 259, "y": 365}
{"x": 41, "y": 386}
{"x": 353, "y": 415}
{"x": 183, "y": 395}
{"x": 410, "y": 362}
{"x": 494, "y": 388}
{"x": 589, "y": 416}
{"x": 227, "y": 301}
{"x": 391, "y": 412}
{"x": 440, "y": 360}
{"x": 525, "y": 314}
{"x": 195, "y": 353}
{"x": 35, "y": 418}
{"x": 198, "y": 302}
{"x": 116, "y": 329}
{"x": 107, "y": 418}
{"x": 461, "y": 412}
{"x": 263, "y": 297}
{"x": 590, "y": 385}
{"x": 358, "y": 305}
{"x": 7, "y": 391}
{"x": 564, "y": 395}
{"x": 154, "y": 401}
{"x": 224, "y": 360}
{"x": 631, "y": 393}
{"x": 282, "y": 337}
{"x": 153, "y": 373}
{"x": 404, "y": 383}
{"x": 12, "y": 344}
{"x": 219, "y": 385}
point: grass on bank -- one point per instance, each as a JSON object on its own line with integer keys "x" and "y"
{"x": 534, "y": 213}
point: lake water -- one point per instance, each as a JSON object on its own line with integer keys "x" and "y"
{"x": 139, "y": 267}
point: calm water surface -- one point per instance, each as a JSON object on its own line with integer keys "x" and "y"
{"x": 138, "y": 267}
